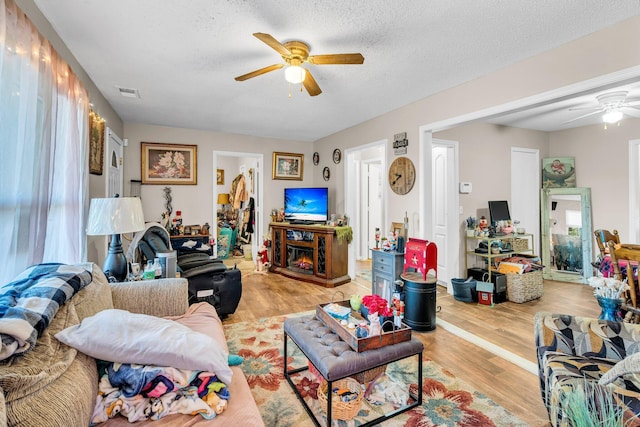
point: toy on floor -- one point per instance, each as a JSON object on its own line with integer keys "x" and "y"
{"x": 262, "y": 261}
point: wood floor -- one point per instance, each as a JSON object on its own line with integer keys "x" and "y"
{"x": 507, "y": 325}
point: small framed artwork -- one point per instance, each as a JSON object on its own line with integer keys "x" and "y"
{"x": 337, "y": 156}
{"x": 326, "y": 173}
{"x": 316, "y": 158}
{"x": 96, "y": 143}
{"x": 287, "y": 166}
{"x": 220, "y": 176}
{"x": 398, "y": 228}
{"x": 173, "y": 164}
{"x": 559, "y": 172}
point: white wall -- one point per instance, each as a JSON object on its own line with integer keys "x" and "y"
{"x": 602, "y": 164}
{"x": 196, "y": 201}
{"x": 578, "y": 61}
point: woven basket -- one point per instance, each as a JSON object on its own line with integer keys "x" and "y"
{"x": 520, "y": 245}
{"x": 370, "y": 375}
{"x": 342, "y": 410}
{"x": 524, "y": 287}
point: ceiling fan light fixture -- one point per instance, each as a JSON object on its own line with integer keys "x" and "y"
{"x": 294, "y": 74}
{"x": 612, "y": 116}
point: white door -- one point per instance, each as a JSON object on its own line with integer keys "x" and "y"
{"x": 115, "y": 171}
{"x": 374, "y": 204}
{"x": 525, "y": 191}
{"x": 445, "y": 209}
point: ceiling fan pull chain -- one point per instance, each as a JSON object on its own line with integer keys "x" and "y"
{"x": 289, "y": 90}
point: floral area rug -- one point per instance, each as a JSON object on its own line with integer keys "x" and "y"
{"x": 447, "y": 400}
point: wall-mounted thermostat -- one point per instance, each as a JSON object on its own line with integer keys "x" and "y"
{"x": 465, "y": 187}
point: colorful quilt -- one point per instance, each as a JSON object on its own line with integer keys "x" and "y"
{"x": 30, "y": 302}
{"x": 147, "y": 392}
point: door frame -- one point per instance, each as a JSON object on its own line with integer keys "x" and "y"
{"x": 351, "y": 181}
{"x": 259, "y": 199}
{"x": 634, "y": 188}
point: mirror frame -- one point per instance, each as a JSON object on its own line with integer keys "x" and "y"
{"x": 586, "y": 236}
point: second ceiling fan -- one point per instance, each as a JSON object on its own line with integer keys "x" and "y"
{"x": 295, "y": 53}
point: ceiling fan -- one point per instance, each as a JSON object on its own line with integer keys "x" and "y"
{"x": 295, "y": 53}
{"x": 613, "y": 106}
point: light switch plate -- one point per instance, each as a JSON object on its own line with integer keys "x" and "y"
{"x": 465, "y": 187}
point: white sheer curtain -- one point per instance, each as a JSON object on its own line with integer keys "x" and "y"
{"x": 44, "y": 112}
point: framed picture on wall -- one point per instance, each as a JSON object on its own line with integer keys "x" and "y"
{"x": 96, "y": 143}
{"x": 559, "y": 172}
{"x": 164, "y": 164}
{"x": 287, "y": 166}
{"x": 220, "y": 176}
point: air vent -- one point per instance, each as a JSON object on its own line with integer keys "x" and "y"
{"x": 129, "y": 93}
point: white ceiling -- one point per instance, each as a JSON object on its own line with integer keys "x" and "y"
{"x": 182, "y": 56}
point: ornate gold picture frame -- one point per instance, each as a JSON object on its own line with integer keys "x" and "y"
{"x": 173, "y": 164}
{"x": 96, "y": 143}
{"x": 287, "y": 166}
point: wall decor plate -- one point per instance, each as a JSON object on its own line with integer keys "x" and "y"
{"x": 316, "y": 158}
{"x": 326, "y": 173}
{"x": 337, "y": 156}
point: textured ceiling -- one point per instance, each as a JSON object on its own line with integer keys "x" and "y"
{"x": 182, "y": 56}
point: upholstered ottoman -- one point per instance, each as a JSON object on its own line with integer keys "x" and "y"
{"x": 334, "y": 359}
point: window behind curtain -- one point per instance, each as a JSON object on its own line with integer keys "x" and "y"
{"x": 44, "y": 111}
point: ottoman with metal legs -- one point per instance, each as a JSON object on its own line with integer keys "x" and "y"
{"x": 334, "y": 359}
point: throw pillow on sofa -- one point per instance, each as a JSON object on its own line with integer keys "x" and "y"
{"x": 121, "y": 336}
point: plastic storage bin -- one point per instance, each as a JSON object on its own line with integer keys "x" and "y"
{"x": 464, "y": 290}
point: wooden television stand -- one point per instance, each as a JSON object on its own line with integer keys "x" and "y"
{"x": 311, "y": 253}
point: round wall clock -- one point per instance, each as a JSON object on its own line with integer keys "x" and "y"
{"x": 326, "y": 173}
{"x": 316, "y": 158}
{"x": 402, "y": 175}
{"x": 337, "y": 156}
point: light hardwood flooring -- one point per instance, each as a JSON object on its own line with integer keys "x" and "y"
{"x": 507, "y": 325}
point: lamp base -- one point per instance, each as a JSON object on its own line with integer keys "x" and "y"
{"x": 115, "y": 264}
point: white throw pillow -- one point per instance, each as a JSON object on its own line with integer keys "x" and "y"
{"x": 121, "y": 336}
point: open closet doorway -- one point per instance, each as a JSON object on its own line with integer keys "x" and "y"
{"x": 238, "y": 199}
{"x": 366, "y": 207}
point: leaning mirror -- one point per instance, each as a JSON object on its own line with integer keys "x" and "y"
{"x": 566, "y": 234}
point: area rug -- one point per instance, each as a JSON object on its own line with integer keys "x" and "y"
{"x": 447, "y": 400}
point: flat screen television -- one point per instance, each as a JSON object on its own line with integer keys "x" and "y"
{"x": 306, "y": 205}
{"x": 499, "y": 211}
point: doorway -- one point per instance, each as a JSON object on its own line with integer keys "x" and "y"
{"x": 366, "y": 210}
{"x": 232, "y": 165}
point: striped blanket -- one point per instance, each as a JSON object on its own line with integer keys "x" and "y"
{"x": 30, "y": 302}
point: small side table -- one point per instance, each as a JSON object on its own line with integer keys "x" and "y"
{"x": 420, "y": 301}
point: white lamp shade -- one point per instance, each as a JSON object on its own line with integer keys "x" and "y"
{"x": 294, "y": 74}
{"x": 115, "y": 215}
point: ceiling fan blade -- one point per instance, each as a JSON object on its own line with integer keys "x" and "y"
{"x": 259, "y": 72}
{"x": 339, "y": 58}
{"x": 273, "y": 43}
{"x": 311, "y": 85}
{"x": 632, "y": 112}
{"x": 586, "y": 108}
{"x": 582, "y": 117}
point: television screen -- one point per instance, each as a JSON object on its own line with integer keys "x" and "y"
{"x": 499, "y": 211}
{"x": 306, "y": 205}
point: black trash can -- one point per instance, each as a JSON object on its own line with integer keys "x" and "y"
{"x": 419, "y": 301}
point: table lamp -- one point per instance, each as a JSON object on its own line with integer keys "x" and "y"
{"x": 223, "y": 199}
{"x": 114, "y": 216}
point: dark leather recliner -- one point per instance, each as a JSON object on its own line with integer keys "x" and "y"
{"x": 210, "y": 280}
